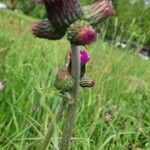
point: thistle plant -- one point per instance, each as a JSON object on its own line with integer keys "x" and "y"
{"x": 79, "y": 23}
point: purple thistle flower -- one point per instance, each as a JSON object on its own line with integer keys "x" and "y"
{"x": 84, "y": 57}
{"x": 88, "y": 35}
{"x": 81, "y": 33}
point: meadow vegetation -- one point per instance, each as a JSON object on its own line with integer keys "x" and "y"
{"x": 113, "y": 115}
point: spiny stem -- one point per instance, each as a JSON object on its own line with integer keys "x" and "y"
{"x": 68, "y": 125}
{"x": 49, "y": 134}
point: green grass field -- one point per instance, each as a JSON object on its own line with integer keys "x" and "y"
{"x": 28, "y": 66}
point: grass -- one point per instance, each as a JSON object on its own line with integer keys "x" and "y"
{"x": 29, "y": 65}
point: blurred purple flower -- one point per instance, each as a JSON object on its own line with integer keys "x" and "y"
{"x": 1, "y": 86}
{"x": 108, "y": 117}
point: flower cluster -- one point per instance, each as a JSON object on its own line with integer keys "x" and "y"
{"x": 69, "y": 17}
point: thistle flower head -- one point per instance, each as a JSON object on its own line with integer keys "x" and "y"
{"x": 64, "y": 82}
{"x": 44, "y": 29}
{"x": 62, "y": 13}
{"x": 63, "y": 74}
{"x": 81, "y": 33}
{"x": 87, "y": 82}
{"x": 108, "y": 7}
{"x": 87, "y": 35}
{"x": 84, "y": 56}
{"x": 98, "y": 11}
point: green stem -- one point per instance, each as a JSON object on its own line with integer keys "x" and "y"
{"x": 68, "y": 125}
